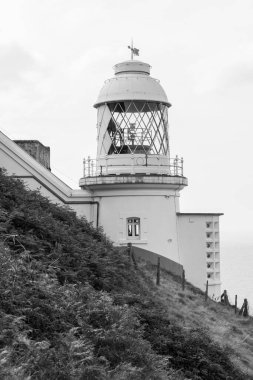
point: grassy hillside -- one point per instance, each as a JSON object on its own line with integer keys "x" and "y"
{"x": 188, "y": 308}
{"x": 73, "y": 307}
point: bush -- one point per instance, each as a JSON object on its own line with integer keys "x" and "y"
{"x": 71, "y": 306}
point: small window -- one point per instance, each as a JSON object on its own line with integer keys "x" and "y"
{"x": 217, "y": 256}
{"x": 217, "y": 266}
{"x": 133, "y": 228}
{"x": 209, "y": 225}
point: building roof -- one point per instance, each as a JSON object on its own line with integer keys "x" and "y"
{"x": 132, "y": 81}
{"x": 200, "y": 213}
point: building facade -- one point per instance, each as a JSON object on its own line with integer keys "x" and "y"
{"x": 132, "y": 187}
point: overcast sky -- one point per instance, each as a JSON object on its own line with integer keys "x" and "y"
{"x": 56, "y": 54}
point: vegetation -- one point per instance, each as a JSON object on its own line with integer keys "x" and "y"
{"x": 73, "y": 307}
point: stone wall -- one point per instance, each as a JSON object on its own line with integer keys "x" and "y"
{"x": 37, "y": 150}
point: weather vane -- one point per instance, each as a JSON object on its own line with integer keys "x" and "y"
{"x": 134, "y": 51}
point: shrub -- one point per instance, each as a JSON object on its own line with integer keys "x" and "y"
{"x": 71, "y": 306}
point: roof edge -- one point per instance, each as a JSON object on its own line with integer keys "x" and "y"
{"x": 200, "y": 213}
{"x": 96, "y": 105}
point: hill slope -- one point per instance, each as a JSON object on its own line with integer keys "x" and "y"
{"x": 188, "y": 308}
{"x": 73, "y": 307}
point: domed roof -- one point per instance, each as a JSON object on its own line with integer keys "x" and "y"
{"x": 132, "y": 82}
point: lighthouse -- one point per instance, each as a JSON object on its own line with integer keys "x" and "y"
{"x": 135, "y": 184}
{"x": 133, "y": 177}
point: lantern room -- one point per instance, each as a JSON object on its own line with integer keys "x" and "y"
{"x": 132, "y": 122}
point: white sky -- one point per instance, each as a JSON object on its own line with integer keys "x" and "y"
{"x": 56, "y": 54}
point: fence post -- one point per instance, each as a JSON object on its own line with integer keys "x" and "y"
{"x": 133, "y": 257}
{"x": 84, "y": 164}
{"x": 235, "y": 303}
{"x": 106, "y": 164}
{"x": 158, "y": 271}
{"x": 129, "y": 249}
{"x": 176, "y": 164}
{"x": 89, "y": 159}
{"x": 206, "y": 293}
{"x": 92, "y": 168}
{"x": 183, "y": 279}
{"x": 244, "y": 309}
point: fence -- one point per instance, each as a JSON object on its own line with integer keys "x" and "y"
{"x": 224, "y": 300}
{"x": 178, "y": 270}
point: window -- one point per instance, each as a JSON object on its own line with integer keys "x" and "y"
{"x": 217, "y": 266}
{"x": 133, "y": 228}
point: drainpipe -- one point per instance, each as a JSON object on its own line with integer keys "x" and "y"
{"x": 91, "y": 203}
{"x": 97, "y": 223}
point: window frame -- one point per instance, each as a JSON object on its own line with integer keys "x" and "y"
{"x": 134, "y": 222}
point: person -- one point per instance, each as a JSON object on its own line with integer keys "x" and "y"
{"x": 224, "y": 298}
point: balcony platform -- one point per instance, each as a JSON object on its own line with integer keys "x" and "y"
{"x": 134, "y": 180}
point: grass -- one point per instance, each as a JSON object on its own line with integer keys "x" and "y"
{"x": 189, "y": 309}
{"x": 72, "y": 307}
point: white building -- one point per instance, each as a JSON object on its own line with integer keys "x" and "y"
{"x": 132, "y": 188}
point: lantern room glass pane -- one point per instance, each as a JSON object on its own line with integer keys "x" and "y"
{"x": 138, "y": 127}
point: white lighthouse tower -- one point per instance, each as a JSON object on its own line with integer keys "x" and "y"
{"x": 133, "y": 178}
{"x": 135, "y": 184}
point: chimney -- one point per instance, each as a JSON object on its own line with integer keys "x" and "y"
{"x": 37, "y": 150}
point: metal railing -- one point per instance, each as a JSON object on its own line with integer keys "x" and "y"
{"x": 94, "y": 167}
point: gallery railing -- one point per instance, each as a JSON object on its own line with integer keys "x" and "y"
{"x": 134, "y": 165}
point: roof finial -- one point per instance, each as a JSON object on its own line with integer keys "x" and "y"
{"x": 134, "y": 51}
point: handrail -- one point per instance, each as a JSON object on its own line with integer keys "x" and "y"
{"x": 93, "y": 168}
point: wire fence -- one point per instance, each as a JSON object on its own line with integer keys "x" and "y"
{"x": 223, "y": 299}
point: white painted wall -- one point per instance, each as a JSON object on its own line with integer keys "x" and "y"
{"x": 81, "y": 209}
{"x": 193, "y": 250}
{"x": 11, "y": 165}
{"x": 157, "y": 213}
